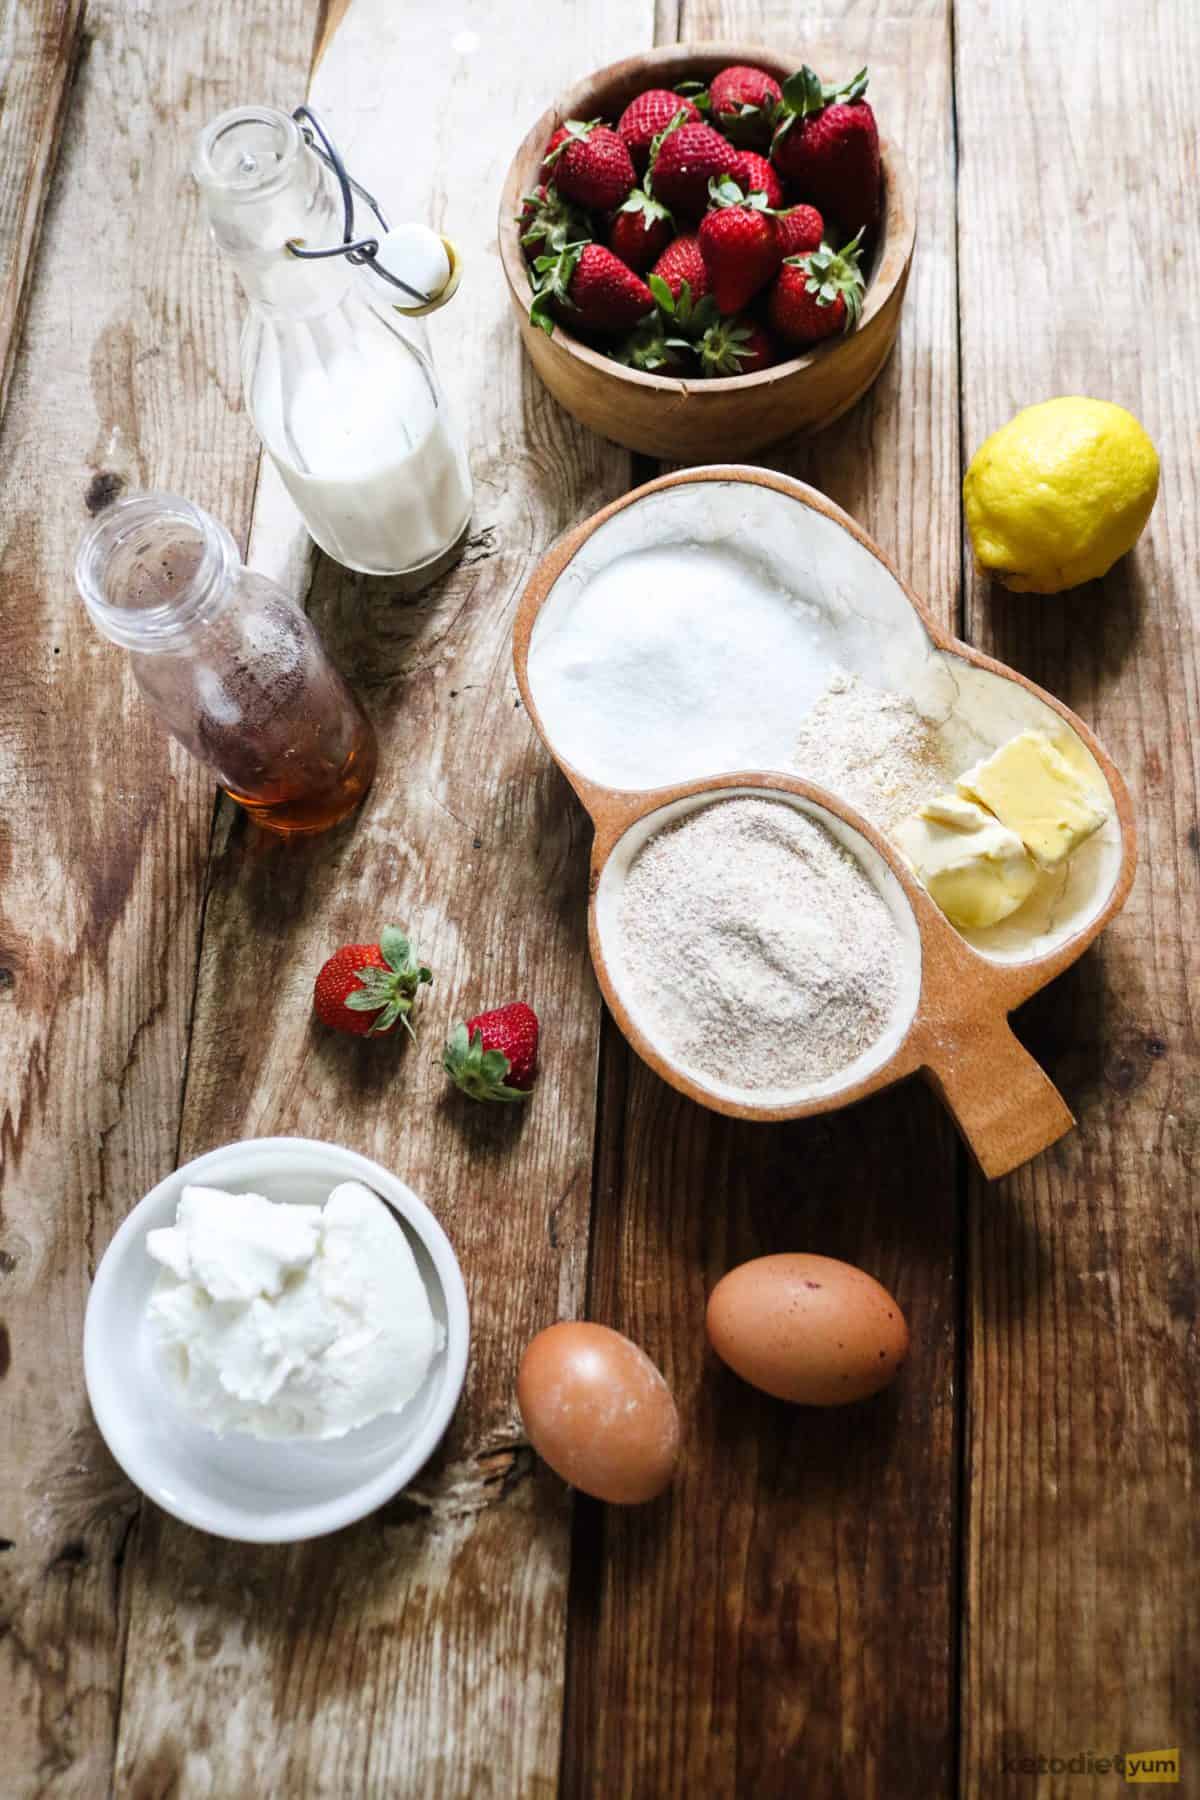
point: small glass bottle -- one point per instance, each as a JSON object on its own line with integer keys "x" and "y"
{"x": 339, "y": 382}
{"x": 228, "y": 661}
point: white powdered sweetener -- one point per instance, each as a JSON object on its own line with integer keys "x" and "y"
{"x": 675, "y": 662}
{"x": 289, "y": 1321}
{"x": 759, "y": 953}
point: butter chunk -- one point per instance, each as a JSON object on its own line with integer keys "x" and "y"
{"x": 976, "y": 869}
{"x": 1032, "y": 788}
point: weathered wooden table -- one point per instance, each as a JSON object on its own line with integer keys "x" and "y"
{"x": 995, "y": 1561}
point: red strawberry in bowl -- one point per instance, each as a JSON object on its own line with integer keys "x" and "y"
{"x": 742, "y": 102}
{"x": 739, "y": 242}
{"x": 554, "y": 142}
{"x": 590, "y": 165}
{"x": 755, "y": 175}
{"x": 801, "y": 228}
{"x": 588, "y": 288}
{"x": 648, "y": 115}
{"x": 369, "y": 989}
{"x": 683, "y": 261}
{"x": 818, "y": 295}
{"x": 548, "y": 222}
{"x": 683, "y": 162}
{"x": 494, "y": 1055}
{"x": 640, "y": 231}
{"x": 827, "y": 146}
{"x": 736, "y": 347}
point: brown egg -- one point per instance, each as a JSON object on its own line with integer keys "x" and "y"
{"x": 598, "y": 1411}
{"x": 807, "y": 1328}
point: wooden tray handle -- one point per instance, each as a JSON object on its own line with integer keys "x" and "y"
{"x": 1002, "y": 1101}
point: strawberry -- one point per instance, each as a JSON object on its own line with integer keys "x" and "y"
{"x": 589, "y": 288}
{"x": 686, "y": 316}
{"x": 739, "y": 242}
{"x": 736, "y": 347}
{"x": 801, "y": 228}
{"x": 654, "y": 348}
{"x": 368, "y": 989}
{"x": 641, "y": 230}
{"x": 754, "y": 175}
{"x": 494, "y": 1055}
{"x": 646, "y": 116}
{"x": 684, "y": 159}
{"x": 827, "y": 144}
{"x": 546, "y": 171}
{"x": 590, "y": 165}
{"x": 681, "y": 262}
{"x": 817, "y": 295}
{"x": 742, "y": 103}
{"x": 548, "y": 222}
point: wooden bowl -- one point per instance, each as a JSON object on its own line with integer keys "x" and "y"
{"x": 731, "y": 416}
{"x": 955, "y": 1032}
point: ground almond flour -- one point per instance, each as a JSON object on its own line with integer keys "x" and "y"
{"x": 872, "y": 748}
{"x": 759, "y": 952}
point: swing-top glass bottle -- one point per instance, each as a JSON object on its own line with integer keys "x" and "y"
{"x": 340, "y": 383}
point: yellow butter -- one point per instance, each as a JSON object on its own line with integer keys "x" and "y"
{"x": 975, "y": 868}
{"x": 1032, "y": 788}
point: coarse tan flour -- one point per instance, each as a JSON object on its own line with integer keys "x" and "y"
{"x": 873, "y": 749}
{"x": 758, "y": 951}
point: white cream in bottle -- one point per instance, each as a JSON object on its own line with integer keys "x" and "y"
{"x": 341, "y": 386}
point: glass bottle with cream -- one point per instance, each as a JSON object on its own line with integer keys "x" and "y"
{"x": 339, "y": 381}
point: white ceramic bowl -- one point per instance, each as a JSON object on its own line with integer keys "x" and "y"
{"x": 237, "y": 1486}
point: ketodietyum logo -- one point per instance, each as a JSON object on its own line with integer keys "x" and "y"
{"x": 1159, "y": 1766}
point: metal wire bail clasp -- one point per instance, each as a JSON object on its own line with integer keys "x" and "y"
{"x": 365, "y": 249}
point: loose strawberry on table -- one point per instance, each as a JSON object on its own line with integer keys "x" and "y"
{"x": 818, "y": 295}
{"x": 369, "y": 989}
{"x": 827, "y": 146}
{"x": 589, "y": 165}
{"x": 646, "y": 116}
{"x": 683, "y": 162}
{"x": 742, "y": 101}
{"x": 640, "y": 231}
{"x": 494, "y": 1055}
{"x": 589, "y": 288}
{"x": 739, "y": 242}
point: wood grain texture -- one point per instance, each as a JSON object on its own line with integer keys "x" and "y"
{"x": 38, "y": 46}
{"x": 775, "y": 1624}
{"x": 1084, "y": 1523}
{"x": 421, "y": 1653}
{"x": 125, "y": 374}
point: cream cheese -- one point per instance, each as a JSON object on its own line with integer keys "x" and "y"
{"x": 289, "y": 1321}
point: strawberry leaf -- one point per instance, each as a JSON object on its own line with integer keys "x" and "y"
{"x": 577, "y": 130}
{"x": 663, "y": 294}
{"x": 478, "y": 1072}
{"x": 803, "y": 93}
{"x": 854, "y": 89}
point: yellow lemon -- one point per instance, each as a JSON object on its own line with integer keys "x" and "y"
{"x": 1059, "y": 493}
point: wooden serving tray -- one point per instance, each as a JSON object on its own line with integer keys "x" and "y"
{"x": 952, "y": 1028}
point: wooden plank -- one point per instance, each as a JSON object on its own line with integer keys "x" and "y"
{"x": 421, "y": 1653}
{"x": 782, "y": 1622}
{"x": 39, "y": 42}
{"x": 1084, "y": 1527}
{"x": 126, "y": 373}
